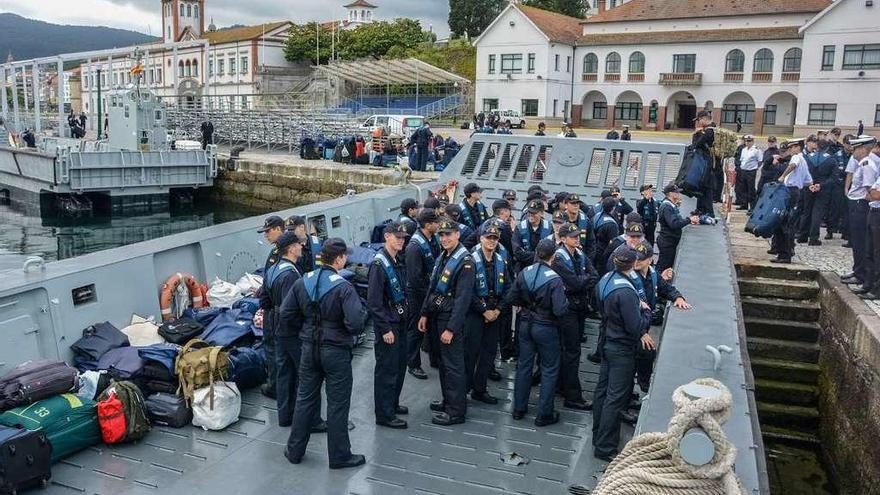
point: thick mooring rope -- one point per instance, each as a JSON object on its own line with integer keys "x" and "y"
{"x": 651, "y": 463}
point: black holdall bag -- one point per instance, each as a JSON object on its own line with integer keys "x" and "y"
{"x": 25, "y": 459}
{"x": 168, "y": 410}
{"x": 181, "y": 330}
{"x": 35, "y": 380}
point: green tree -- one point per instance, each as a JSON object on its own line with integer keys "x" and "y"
{"x": 469, "y": 18}
{"x": 303, "y": 41}
{"x": 573, "y": 8}
{"x": 375, "y": 39}
{"x": 458, "y": 57}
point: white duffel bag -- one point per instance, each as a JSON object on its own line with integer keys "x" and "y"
{"x": 226, "y": 406}
{"x": 223, "y": 294}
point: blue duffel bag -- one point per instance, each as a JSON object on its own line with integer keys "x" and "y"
{"x": 248, "y": 304}
{"x": 123, "y": 363}
{"x": 770, "y": 211}
{"x": 165, "y": 354}
{"x": 96, "y": 340}
{"x": 693, "y": 174}
{"x": 230, "y": 327}
{"x": 247, "y": 367}
{"x": 203, "y": 315}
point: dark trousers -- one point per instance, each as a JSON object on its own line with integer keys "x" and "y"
{"x": 717, "y": 180}
{"x": 421, "y": 158}
{"x": 783, "y": 239}
{"x": 668, "y": 247}
{"x": 738, "y": 188}
{"x": 413, "y": 335}
{"x": 858, "y": 229}
{"x": 332, "y": 365}
{"x": 507, "y": 335}
{"x": 704, "y": 202}
{"x": 611, "y": 397}
{"x": 644, "y": 368}
{"x": 453, "y": 379}
{"x": 872, "y": 256}
{"x": 570, "y": 327}
{"x": 750, "y": 196}
{"x": 650, "y": 231}
{"x": 543, "y": 341}
{"x": 389, "y": 373}
{"x": 271, "y": 360}
{"x": 481, "y": 345}
{"x": 837, "y": 218}
{"x": 287, "y": 355}
{"x": 816, "y": 205}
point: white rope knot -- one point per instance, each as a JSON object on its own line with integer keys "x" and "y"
{"x": 651, "y": 463}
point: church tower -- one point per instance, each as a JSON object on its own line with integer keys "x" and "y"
{"x": 178, "y": 15}
{"x": 359, "y": 12}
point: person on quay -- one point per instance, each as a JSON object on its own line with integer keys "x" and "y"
{"x": 542, "y": 129}
{"x": 625, "y": 135}
{"x": 540, "y": 292}
{"x": 529, "y": 233}
{"x": 310, "y": 259}
{"x": 579, "y": 277}
{"x": 389, "y": 307}
{"x": 870, "y": 289}
{"x": 837, "y": 217}
{"x": 772, "y": 164}
{"x": 671, "y": 225}
{"x": 702, "y": 142}
{"x": 444, "y": 311}
{"x": 473, "y": 211}
{"x": 332, "y": 317}
{"x": 421, "y": 254}
{"x": 750, "y": 160}
{"x": 647, "y": 209}
{"x": 409, "y": 210}
{"x": 272, "y": 230}
{"x": 626, "y": 319}
{"x": 796, "y": 177}
{"x": 817, "y": 198}
{"x": 484, "y": 322}
{"x": 859, "y": 176}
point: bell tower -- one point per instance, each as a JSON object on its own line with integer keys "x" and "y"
{"x": 177, "y": 15}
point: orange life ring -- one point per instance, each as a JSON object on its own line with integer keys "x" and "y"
{"x": 196, "y": 291}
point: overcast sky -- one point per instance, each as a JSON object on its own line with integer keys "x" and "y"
{"x": 144, "y": 15}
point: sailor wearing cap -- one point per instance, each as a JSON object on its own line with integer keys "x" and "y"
{"x": 272, "y": 229}
{"x": 671, "y": 225}
{"x": 625, "y": 135}
{"x": 530, "y": 231}
{"x": 534, "y": 193}
{"x": 506, "y": 224}
{"x": 795, "y": 177}
{"x": 606, "y": 228}
{"x": 331, "y": 316}
{"x": 626, "y": 320}
{"x": 702, "y": 142}
{"x": 502, "y": 218}
{"x": 469, "y": 235}
{"x": 484, "y": 320}
{"x": 750, "y": 159}
{"x": 387, "y": 303}
{"x": 860, "y": 175}
{"x": 559, "y": 219}
{"x": 510, "y": 196}
{"x": 540, "y": 292}
{"x": 310, "y": 259}
{"x": 444, "y": 310}
{"x": 473, "y": 212}
{"x": 573, "y": 214}
{"x": 632, "y": 236}
{"x": 870, "y": 289}
{"x": 579, "y": 278}
{"x": 816, "y": 198}
{"x": 280, "y": 337}
{"x": 647, "y": 209}
{"x": 409, "y": 208}
{"x": 421, "y": 254}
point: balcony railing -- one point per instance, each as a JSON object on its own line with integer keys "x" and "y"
{"x": 762, "y": 77}
{"x": 791, "y": 76}
{"x": 590, "y": 77}
{"x": 635, "y": 77}
{"x": 733, "y": 77}
{"x": 612, "y": 77}
{"x": 681, "y": 78}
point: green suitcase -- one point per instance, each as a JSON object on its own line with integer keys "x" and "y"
{"x": 70, "y": 422}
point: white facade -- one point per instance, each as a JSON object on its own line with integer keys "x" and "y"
{"x": 733, "y": 79}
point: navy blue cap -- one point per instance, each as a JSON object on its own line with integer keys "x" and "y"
{"x": 535, "y": 206}
{"x": 500, "y": 204}
{"x": 448, "y": 225}
{"x": 271, "y": 223}
{"x": 634, "y": 229}
{"x": 545, "y": 248}
{"x": 428, "y": 215}
{"x": 490, "y": 229}
{"x": 408, "y": 204}
{"x": 397, "y": 229}
{"x": 671, "y": 188}
{"x": 624, "y": 255}
{"x": 286, "y": 240}
{"x": 569, "y": 230}
{"x": 295, "y": 221}
{"x": 644, "y": 250}
{"x": 559, "y": 217}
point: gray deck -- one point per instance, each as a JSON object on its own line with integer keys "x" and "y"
{"x": 247, "y": 456}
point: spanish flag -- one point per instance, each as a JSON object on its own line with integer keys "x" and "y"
{"x": 137, "y": 69}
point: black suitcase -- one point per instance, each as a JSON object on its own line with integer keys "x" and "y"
{"x": 96, "y": 340}
{"x": 35, "y": 380}
{"x": 25, "y": 459}
{"x": 181, "y": 330}
{"x": 770, "y": 210}
{"x": 168, "y": 410}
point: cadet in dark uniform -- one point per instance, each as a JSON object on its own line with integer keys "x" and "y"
{"x": 510, "y": 196}
{"x": 621, "y": 209}
{"x": 473, "y": 212}
{"x": 445, "y": 310}
{"x": 277, "y": 283}
{"x": 469, "y": 236}
{"x": 627, "y": 320}
{"x": 606, "y": 228}
{"x": 579, "y": 278}
{"x": 389, "y": 307}
{"x": 273, "y": 228}
{"x": 332, "y": 316}
{"x": 540, "y": 293}
{"x": 817, "y": 199}
{"x": 501, "y": 217}
{"x": 647, "y": 209}
{"x": 671, "y": 224}
{"x": 529, "y": 232}
{"x": 484, "y": 320}
{"x": 421, "y": 254}
{"x": 796, "y": 177}
{"x": 702, "y": 142}
{"x": 309, "y": 260}
{"x": 573, "y": 214}
{"x": 409, "y": 209}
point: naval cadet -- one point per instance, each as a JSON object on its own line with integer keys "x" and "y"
{"x": 445, "y": 310}
{"x": 273, "y": 228}
{"x": 469, "y": 236}
{"x": 389, "y": 308}
{"x": 572, "y": 205}
{"x": 796, "y": 177}
{"x": 409, "y": 208}
{"x": 421, "y": 254}
{"x": 501, "y": 216}
{"x": 579, "y": 277}
{"x": 332, "y": 317}
{"x": 484, "y": 320}
{"x": 626, "y": 320}
{"x": 817, "y": 198}
{"x": 647, "y": 210}
{"x": 859, "y": 180}
{"x": 671, "y": 225}
{"x": 559, "y": 219}
{"x": 702, "y": 142}
{"x": 310, "y": 259}
{"x": 529, "y": 232}
{"x": 870, "y": 289}
{"x": 621, "y": 208}
{"x": 606, "y": 228}
{"x": 632, "y": 236}
{"x": 503, "y": 219}
{"x": 510, "y": 196}
{"x": 838, "y": 214}
{"x": 473, "y": 211}
{"x": 540, "y": 292}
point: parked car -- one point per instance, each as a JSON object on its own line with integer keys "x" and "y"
{"x": 402, "y": 125}
{"x": 511, "y": 117}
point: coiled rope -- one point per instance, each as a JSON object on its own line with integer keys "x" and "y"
{"x": 651, "y": 463}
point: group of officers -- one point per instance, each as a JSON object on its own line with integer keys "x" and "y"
{"x": 462, "y": 281}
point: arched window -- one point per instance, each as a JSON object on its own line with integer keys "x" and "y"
{"x": 188, "y": 71}
{"x": 791, "y": 62}
{"x": 182, "y": 10}
{"x": 196, "y": 11}
{"x": 612, "y": 63}
{"x": 591, "y": 63}
{"x": 195, "y": 68}
{"x": 637, "y": 63}
{"x": 189, "y": 10}
{"x": 736, "y": 61}
{"x": 763, "y": 61}
{"x": 180, "y": 72}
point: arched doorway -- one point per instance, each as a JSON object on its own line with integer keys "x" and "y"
{"x": 594, "y": 112}
{"x": 738, "y": 108}
{"x": 628, "y": 109}
{"x": 681, "y": 109}
{"x": 780, "y": 112}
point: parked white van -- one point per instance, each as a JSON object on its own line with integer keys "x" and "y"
{"x": 511, "y": 117}
{"x": 403, "y": 125}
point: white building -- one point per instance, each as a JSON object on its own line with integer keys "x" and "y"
{"x": 776, "y": 65}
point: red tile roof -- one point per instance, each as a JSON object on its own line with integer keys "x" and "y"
{"x": 559, "y": 28}
{"x": 644, "y": 10}
{"x": 243, "y": 33}
{"x": 695, "y": 36}
{"x": 360, "y": 3}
